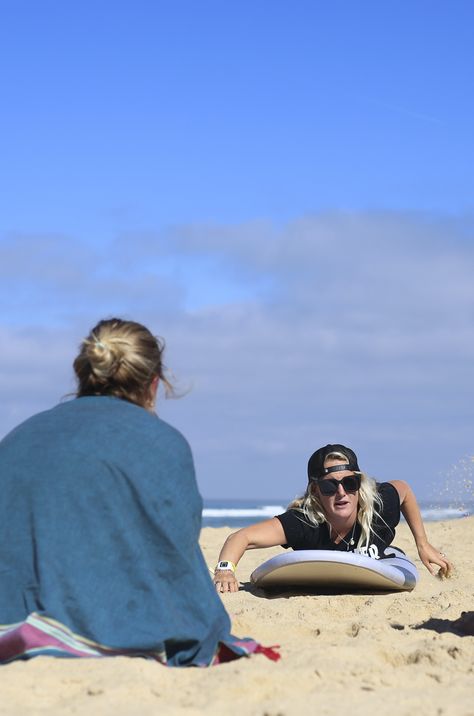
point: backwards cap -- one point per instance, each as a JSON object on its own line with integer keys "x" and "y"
{"x": 316, "y": 468}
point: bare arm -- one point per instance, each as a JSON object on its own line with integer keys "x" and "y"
{"x": 411, "y": 512}
{"x": 264, "y": 534}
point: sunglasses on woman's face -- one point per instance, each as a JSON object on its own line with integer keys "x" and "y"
{"x": 329, "y": 487}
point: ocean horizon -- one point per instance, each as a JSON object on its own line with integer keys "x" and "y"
{"x": 235, "y": 513}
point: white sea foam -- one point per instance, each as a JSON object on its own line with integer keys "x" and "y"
{"x": 248, "y": 514}
{"x": 263, "y": 511}
{"x": 432, "y": 514}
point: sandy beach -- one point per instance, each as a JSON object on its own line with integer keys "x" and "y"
{"x": 398, "y": 653}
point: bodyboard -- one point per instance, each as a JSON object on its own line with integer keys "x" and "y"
{"x": 330, "y": 569}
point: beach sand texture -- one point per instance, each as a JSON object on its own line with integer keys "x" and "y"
{"x": 394, "y": 653}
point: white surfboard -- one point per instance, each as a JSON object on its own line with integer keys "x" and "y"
{"x": 337, "y": 570}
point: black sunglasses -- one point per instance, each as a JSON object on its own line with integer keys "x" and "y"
{"x": 328, "y": 487}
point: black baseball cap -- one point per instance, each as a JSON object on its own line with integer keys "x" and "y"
{"x": 316, "y": 468}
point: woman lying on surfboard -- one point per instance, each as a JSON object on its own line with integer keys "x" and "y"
{"x": 342, "y": 509}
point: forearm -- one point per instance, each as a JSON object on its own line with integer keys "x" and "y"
{"x": 411, "y": 512}
{"x": 234, "y": 547}
{"x": 263, "y": 534}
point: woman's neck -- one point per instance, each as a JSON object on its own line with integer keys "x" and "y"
{"x": 340, "y": 527}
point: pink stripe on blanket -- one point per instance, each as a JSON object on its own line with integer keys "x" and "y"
{"x": 39, "y": 636}
{"x": 25, "y": 638}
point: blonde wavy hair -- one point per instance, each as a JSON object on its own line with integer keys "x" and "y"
{"x": 121, "y": 359}
{"x": 369, "y": 506}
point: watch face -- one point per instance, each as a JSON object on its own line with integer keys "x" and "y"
{"x": 224, "y": 564}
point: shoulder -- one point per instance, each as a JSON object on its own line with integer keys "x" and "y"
{"x": 293, "y": 516}
{"x": 389, "y": 494}
{"x": 125, "y": 417}
{"x": 299, "y": 532}
{"x": 30, "y": 426}
{"x": 390, "y": 511}
{"x": 101, "y": 424}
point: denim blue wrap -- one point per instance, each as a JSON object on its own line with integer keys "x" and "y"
{"x": 99, "y": 523}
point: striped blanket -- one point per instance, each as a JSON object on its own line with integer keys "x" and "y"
{"x": 40, "y": 636}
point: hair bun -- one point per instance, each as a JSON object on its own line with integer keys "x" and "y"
{"x": 104, "y": 359}
{"x": 121, "y": 359}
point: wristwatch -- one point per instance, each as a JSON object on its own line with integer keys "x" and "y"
{"x": 225, "y": 566}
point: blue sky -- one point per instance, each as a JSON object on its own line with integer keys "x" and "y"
{"x": 283, "y": 191}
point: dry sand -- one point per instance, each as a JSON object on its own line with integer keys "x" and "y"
{"x": 386, "y": 654}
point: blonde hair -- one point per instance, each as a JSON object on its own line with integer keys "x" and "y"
{"x": 369, "y": 506}
{"x": 120, "y": 358}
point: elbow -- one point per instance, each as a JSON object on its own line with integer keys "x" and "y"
{"x": 240, "y": 536}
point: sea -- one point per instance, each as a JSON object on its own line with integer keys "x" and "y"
{"x": 241, "y": 513}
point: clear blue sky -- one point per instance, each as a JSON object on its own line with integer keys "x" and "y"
{"x": 283, "y": 190}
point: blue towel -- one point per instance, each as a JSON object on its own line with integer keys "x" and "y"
{"x": 99, "y": 524}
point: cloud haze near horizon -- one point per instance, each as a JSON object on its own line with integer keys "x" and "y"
{"x": 337, "y": 327}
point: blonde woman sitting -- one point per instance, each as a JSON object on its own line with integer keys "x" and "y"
{"x": 100, "y": 518}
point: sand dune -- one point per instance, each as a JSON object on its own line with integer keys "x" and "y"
{"x": 399, "y": 653}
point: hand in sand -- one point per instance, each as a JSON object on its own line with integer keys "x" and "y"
{"x": 225, "y": 581}
{"x": 429, "y": 555}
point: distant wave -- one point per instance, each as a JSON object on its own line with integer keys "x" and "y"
{"x": 432, "y": 514}
{"x": 241, "y": 516}
{"x": 235, "y": 512}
